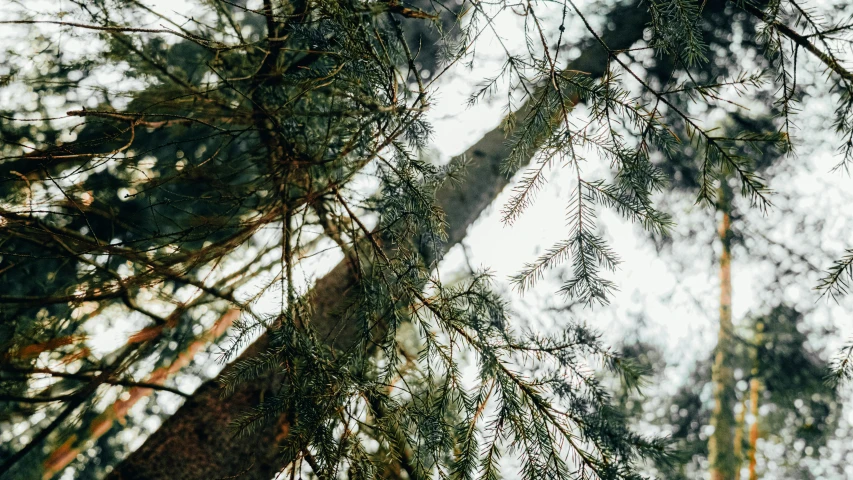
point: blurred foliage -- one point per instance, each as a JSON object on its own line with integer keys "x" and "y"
{"x": 798, "y": 409}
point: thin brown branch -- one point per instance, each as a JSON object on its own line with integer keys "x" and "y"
{"x": 63, "y": 455}
{"x": 117, "y": 29}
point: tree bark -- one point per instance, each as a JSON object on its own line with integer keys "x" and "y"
{"x": 197, "y": 442}
{"x": 721, "y": 453}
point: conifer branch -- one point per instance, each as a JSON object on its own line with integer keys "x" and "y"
{"x": 837, "y": 280}
{"x": 828, "y": 60}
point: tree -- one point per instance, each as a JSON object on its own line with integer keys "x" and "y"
{"x": 284, "y": 107}
{"x": 483, "y": 180}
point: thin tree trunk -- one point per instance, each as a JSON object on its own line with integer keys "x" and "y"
{"x": 721, "y": 443}
{"x": 754, "y": 393}
{"x": 740, "y": 424}
{"x": 197, "y": 442}
{"x": 755, "y": 388}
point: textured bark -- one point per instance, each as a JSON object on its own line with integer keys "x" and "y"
{"x": 721, "y": 453}
{"x": 197, "y": 441}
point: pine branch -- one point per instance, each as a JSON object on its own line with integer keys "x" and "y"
{"x": 802, "y": 41}
{"x": 837, "y": 280}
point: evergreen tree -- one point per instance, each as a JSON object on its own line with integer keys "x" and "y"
{"x": 463, "y": 203}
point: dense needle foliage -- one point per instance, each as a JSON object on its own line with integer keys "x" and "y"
{"x": 245, "y": 139}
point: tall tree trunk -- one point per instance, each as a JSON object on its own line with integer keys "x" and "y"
{"x": 721, "y": 443}
{"x": 197, "y": 442}
{"x": 754, "y": 394}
